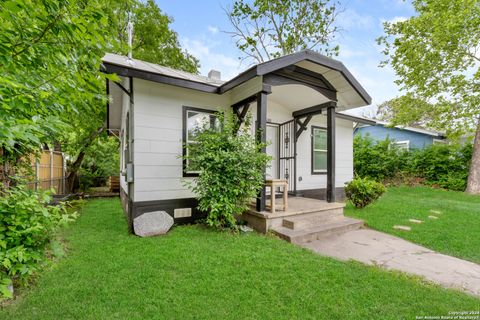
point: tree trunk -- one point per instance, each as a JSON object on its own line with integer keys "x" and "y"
{"x": 473, "y": 184}
{"x": 73, "y": 170}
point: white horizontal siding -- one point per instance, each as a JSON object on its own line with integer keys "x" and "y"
{"x": 158, "y": 137}
{"x": 343, "y": 155}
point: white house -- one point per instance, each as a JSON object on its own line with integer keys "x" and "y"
{"x": 297, "y": 99}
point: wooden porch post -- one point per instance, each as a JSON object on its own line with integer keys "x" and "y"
{"x": 331, "y": 152}
{"x": 262, "y": 138}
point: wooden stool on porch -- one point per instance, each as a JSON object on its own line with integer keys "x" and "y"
{"x": 273, "y": 183}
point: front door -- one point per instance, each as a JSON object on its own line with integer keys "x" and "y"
{"x": 287, "y": 156}
{"x": 272, "y": 151}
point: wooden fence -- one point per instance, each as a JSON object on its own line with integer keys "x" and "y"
{"x": 49, "y": 170}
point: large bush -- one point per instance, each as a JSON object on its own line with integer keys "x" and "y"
{"x": 363, "y": 191}
{"x": 444, "y": 165}
{"x": 376, "y": 160}
{"x": 101, "y": 161}
{"x": 27, "y": 225}
{"x": 230, "y": 165}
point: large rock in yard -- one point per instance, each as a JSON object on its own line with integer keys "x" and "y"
{"x": 152, "y": 224}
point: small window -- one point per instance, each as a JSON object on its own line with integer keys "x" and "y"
{"x": 194, "y": 120}
{"x": 402, "y": 145}
{"x": 319, "y": 150}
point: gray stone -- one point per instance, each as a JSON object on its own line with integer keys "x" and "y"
{"x": 152, "y": 224}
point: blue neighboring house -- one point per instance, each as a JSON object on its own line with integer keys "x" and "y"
{"x": 404, "y": 137}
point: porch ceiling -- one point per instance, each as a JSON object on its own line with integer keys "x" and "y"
{"x": 296, "y": 97}
{"x": 347, "y": 96}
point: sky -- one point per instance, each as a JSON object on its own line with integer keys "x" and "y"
{"x": 201, "y": 26}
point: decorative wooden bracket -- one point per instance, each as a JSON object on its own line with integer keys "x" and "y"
{"x": 241, "y": 114}
{"x": 123, "y": 88}
{"x": 302, "y": 126}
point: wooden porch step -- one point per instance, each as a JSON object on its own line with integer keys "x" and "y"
{"x": 313, "y": 219}
{"x": 308, "y": 234}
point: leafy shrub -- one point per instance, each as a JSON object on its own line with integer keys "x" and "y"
{"x": 376, "y": 160}
{"x": 230, "y": 165}
{"x": 363, "y": 191}
{"x": 101, "y": 161}
{"x": 27, "y": 225}
{"x": 444, "y": 166}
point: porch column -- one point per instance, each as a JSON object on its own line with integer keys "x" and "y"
{"x": 331, "y": 152}
{"x": 262, "y": 138}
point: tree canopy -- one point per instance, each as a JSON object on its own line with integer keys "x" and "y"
{"x": 49, "y": 54}
{"x": 436, "y": 56}
{"x": 51, "y": 87}
{"x": 153, "y": 40}
{"x": 267, "y": 29}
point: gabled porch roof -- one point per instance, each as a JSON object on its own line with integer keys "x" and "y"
{"x": 330, "y": 75}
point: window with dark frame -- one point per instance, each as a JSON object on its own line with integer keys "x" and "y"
{"x": 319, "y": 150}
{"x": 194, "y": 119}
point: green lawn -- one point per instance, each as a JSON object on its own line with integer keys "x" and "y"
{"x": 196, "y": 273}
{"x": 456, "y": 231}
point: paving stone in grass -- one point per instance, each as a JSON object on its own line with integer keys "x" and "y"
{"x": 435, "y": 212}
{"x": 415, "y": 221}
{"x": 433, "y": 217}
{"x": 403, "y": 228}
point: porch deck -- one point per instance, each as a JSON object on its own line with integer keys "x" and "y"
{"x": 297, "y": 207}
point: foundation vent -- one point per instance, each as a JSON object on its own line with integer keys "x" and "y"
{"x": 182, "y": 212}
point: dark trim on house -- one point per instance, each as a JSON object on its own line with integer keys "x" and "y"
{"x": 283, "y": 78}
{"x": 302, "y": 125}
{"x": 331, "y": 153}
{"x": 169, "y": 206}
{"x": 238, "y": 80}
{"x": 316, "y": 109}
{"x": 131, "y": 138}
{"x": 257, "y": 70}
{"x": 354, "y": 119}
{"x": 244, "y": 105}
{"x": 312, "y": 171}
{"x": 107, "y": 91}
{"x": 127, "y": 208}
{"x": 262, "y": 138}
{"x": 147, "y": 75}
{"x": 308, "y": 55}
{"x": 321, "y": 193}
{"x": 128, "y": 92}
{"x": 133, "y": 210}
{"x": 184, "y": 137}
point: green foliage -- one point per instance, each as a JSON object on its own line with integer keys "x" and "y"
{"x": 153, "y": 40}
{"x": 363, "y": 191}
{"x": 50, "y": 56}
{"x": 434, "y": 56}
{"x": 454, "y": 233}
{"x": 376, "y": 160}
{"x": 267, "y": 29}
{"x": 443, "y": 165}
{"x": 102, "y": 160}
{"x": 230, "y": 166}
{"x": 27, "y": 225}
{"x": 247, "y": 273}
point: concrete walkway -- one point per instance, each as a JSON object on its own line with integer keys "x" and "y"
{"x": 377, "y": 248}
